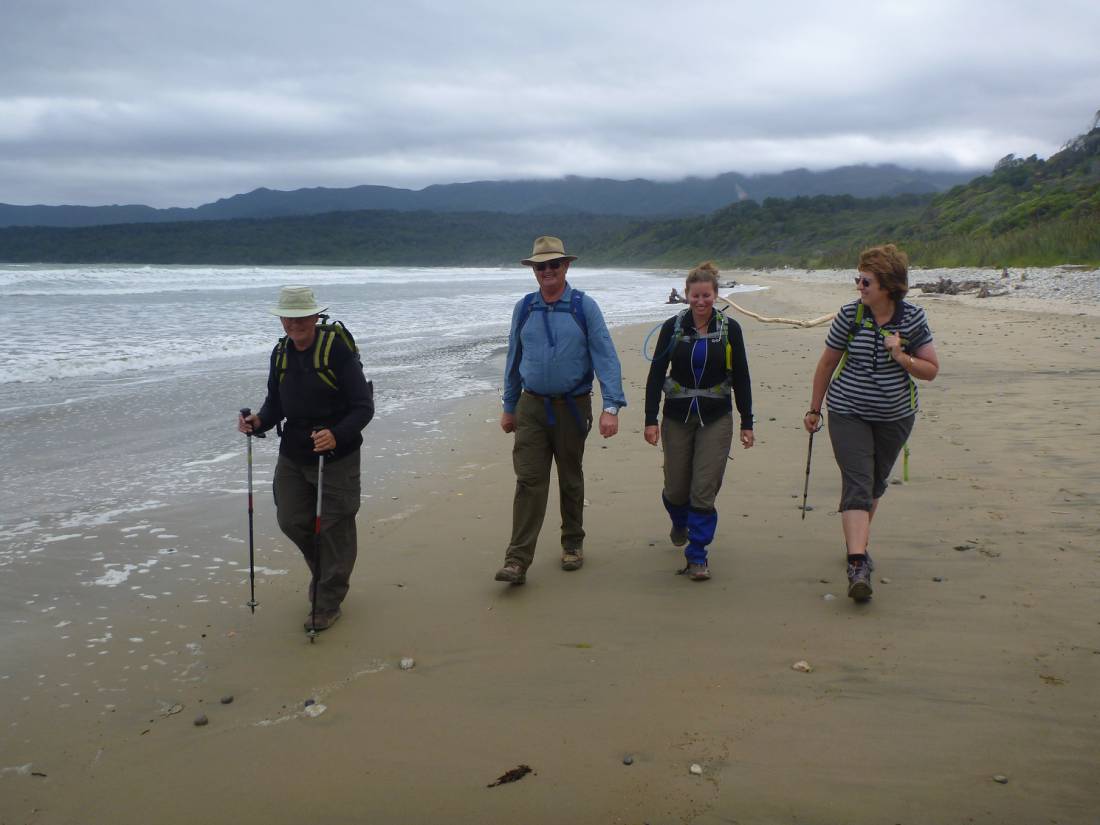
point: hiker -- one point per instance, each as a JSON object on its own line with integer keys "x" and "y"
{"x": 316, "y": 384}
{"x": 700, "y": 358}
{"x": 876, "y": 347}
{"x": 557, "y": 338}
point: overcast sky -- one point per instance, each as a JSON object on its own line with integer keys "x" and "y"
{"x": 180, "y": 103}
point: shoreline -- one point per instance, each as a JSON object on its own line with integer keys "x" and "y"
{"x": 989, "y": 671}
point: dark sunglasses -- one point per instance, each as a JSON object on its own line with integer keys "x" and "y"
{"x": 548, "y": 265}
{"x": 863, "y": 281}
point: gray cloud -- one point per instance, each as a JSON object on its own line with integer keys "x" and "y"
{"x": 178, "y": 104}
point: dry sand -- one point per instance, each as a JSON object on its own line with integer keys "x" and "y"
{"x": 915, "y": 702}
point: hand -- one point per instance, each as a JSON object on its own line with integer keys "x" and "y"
{"x": 508, "y": 422}
{"x": 323, "y": 441}
{"x": 747, "y": 439}
{"x": 248, "y": 425}
{"x": 892, "y": 342}
{"x": 812, "y": 422}
{"x": 609, "y": 424}
{"x": 652, "y": 434}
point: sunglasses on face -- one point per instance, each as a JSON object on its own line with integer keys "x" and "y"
{"x": 863, "y": 281}
{"x": 555, "y": 265}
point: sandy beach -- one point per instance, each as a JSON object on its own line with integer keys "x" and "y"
{"x": 979, "y": 655}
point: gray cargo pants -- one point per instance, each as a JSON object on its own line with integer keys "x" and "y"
{"x": 295, "y": 490}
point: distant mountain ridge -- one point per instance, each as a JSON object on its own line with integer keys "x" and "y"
{"x": 1025, "y": 212}
{"x": 569, "y": 195}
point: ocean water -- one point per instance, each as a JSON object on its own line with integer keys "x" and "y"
{"x": 120, "y": 385}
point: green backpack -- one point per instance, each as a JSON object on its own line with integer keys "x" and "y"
{"x": 322, "y": 349}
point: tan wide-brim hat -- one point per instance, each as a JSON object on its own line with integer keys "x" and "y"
{"x": 547, "y": 248}
{"x": 296, "y": 302}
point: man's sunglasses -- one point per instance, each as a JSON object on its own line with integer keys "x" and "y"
{"x": 542, "y": 267}
{"x": 863, "y": 281}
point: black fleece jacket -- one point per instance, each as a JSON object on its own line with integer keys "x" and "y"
{"x": 306, "y": 402}
{"x": 714, "y": 373}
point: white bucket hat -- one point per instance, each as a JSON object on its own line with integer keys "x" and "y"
{"x": 547, "y": 248}
{"x": 296, "y": 302}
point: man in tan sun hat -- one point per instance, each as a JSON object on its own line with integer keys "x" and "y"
{"x": 315, "y": 383}
{"x": 558, "y": 338}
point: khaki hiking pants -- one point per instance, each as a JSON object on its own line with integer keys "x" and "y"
{"x": 695, "y": 460}
{"x": 537, "y": 444}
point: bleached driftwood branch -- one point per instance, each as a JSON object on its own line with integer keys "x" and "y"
{"x": 792, "y": 321}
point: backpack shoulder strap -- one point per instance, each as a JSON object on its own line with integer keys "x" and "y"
{"x": 525, "y": 312}
{"x": 280, "y": 357}
{"x": 576, "y": 306}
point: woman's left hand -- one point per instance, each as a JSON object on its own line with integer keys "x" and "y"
{"x": 747, "y": 439}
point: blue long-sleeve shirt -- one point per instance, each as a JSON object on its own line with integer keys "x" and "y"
{"x": 561, "y": 367}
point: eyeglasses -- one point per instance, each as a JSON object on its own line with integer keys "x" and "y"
{"x": 555, "y": 265}
{"x": 863, "y": 281}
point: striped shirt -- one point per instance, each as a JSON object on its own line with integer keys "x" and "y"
{"x": 872, "y": 385}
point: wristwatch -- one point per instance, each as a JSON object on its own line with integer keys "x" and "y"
{"x": 612, "y": 410}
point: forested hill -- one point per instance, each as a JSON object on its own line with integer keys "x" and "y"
{"x": 365, "y": 238}
{"x": 1025, "y": 212}
{"x": 638, "y": 197}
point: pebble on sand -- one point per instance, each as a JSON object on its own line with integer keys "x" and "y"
{"x": 408, "y": 663}
{"x": 802, "y": 666}
{"x": 696, "y": 769}
{"x": 628, "y": 760}
{"x": 828, "y": 597}
{"x": 1000, "y": 778}
{"x": 937, "y": 578}
{"x": 201, "y": 720}
{"x": 227, "y": 700}
{"x": 884, "y": 580}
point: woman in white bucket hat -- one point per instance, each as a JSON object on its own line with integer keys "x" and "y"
{"x": 317, "y": 391}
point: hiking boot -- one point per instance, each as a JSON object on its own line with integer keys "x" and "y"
{"x": 572, "y": 559}
{"x": 868, "y": 560}
{"x": 323, "y": 620}
{"x": 698, "y": 572}
{"x": 678, "y": 535}
{"x": 512, "y": 573}
{"x": 859, "y": 581}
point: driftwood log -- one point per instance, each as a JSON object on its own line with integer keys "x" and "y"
{"x": 794, "y": 322}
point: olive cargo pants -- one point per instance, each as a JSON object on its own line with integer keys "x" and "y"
{"x": 537, "y": 444}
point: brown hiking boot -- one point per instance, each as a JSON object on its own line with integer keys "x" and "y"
{"x": 512, "y": 573}
{"x": 572, "y": 559}
{"x": 323, "y": 620}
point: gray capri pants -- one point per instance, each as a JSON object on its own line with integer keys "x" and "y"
{"x": 865, "y": 452}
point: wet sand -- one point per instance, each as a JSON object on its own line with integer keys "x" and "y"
{"x": 916, "y": 700}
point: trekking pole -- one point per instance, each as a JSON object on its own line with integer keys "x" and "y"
{"x": 316, "y": 549}
{"x": 245, "y": 412}
{"x": 806, "y": 487}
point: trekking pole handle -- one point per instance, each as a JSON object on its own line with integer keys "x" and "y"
{"x": 245, "y": 412}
